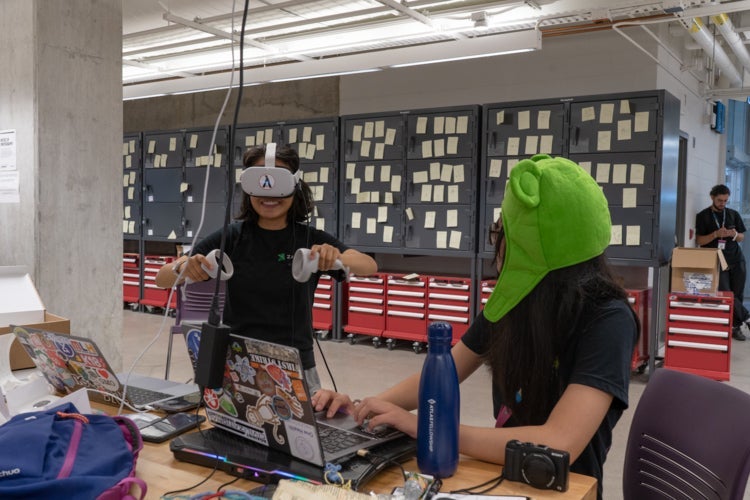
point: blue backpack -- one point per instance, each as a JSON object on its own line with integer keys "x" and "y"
{"x": 59, "y": 453}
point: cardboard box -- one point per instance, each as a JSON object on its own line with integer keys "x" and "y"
{"x": 18, "y": 357}
{"x": 20, "y": 303}
{"x": 696, "y": 270}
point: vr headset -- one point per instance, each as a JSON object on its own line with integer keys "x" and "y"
{"x": 270, "y": 181}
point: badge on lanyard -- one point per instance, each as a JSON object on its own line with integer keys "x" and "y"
{"x": 722, "y": 244}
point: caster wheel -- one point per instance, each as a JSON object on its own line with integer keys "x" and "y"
{"x": 375, "y": 342}
{"x": 150, "y": 309}
{"x": 390, "y": 344}
{"x": 351, "y": 338}
{"x": 417, "y": 347}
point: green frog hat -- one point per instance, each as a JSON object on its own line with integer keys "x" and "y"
{"x": 554, "y": 215}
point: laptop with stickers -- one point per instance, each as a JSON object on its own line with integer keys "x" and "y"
{"x": 70, "y": 363}
{"x": 265, "y": 399}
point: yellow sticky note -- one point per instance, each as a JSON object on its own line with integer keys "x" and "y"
{"x": 623, "y": 130}
{"x": 606, "y": 112}
{"x": 616, "y": 238}
{"x": 193, "y": 141}
{"x": 604, "y": 140}
{"x": 396, "y": 183}
{"x": 542, "y": 119}
{"x": 306, "y": 134}
{"x": 173, "y": 143}
{"x": 602, "y": 173}
{"x": 439, "y": 125}
{"x": 629, "y": 196}
{"x": 633, "y": 235}
{"x": 641, "y": 121}
{"x": 524, "y": 119}
{"x": 429, "y": 220}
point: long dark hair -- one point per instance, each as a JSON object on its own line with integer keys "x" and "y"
{"x": 302, "y": 204}
{"x": 527, "y": 343}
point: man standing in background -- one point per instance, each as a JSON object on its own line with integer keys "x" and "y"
{"x": 720, "y": 227}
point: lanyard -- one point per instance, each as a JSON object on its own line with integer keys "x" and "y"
{"x": 723, "y": 218}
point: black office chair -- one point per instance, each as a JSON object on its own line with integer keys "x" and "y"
{"x": 193, "y": 306}
{"x": 689, "y": 440}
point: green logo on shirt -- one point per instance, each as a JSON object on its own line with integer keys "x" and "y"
{"x": 281, "y": 257}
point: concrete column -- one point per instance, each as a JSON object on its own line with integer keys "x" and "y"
{"x": 61, "y": 92}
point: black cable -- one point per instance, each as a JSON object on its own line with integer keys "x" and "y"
{"x": 496, "y": 481}
{"x": 214, "y": 314}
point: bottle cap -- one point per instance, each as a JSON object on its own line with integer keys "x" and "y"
{"x": 439, "y": 331}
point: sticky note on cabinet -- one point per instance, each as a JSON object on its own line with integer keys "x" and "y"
{"x": 446, "y": 173}
{"x": 545, "y": 144}
{"x": 356, "y": 220}
{"x": 462, "y": 124}
{"x": 172, "y": 235}
{"x": 629, "y": 196}
{"x": 458, "y": 173}
{"x": 426, "y": 192}
{"x": 532, "y": 143}
{"x": 385, "y": 173}
{"x": 125, "y": 226}
{"x": 542, "y": 119}
{"x": 131, "y": 177}
{"x": 324, "y": 175}
{"x": 390, "y": 136}
{"x": 420, "y": 177}
{"x": 193, "y": 141}
{"x": 310, "y": 177}
{"x": 363, "y": 197}
{"x": 513, "y": 143}
{"x": 372, "y": 225}
{"x": 421, "y": 124}
{"x": 438, "y": 193}
{"x": 364, "y": 150}
{"x": 451, "y": 218}
{"x": 357, "y": 133}
{"x": 306, "y": 134}
{"x": 131, "y": 193}
{"x": 633, "y": 235}
{"x": 524, "y": 118}
{"x": 452, "y": 145}
{"x": 450, "y": 124}
{"x": 623, "y": 130}
{"x": 620, "y": 173}
{"x": 350, "y": 169}
{"x": 588, "y": 113}
{"x": 604, "y": 140}
{"x": 387, "y": 234}
{"x": 132, "y": 145}
{"x": 409, "y": 213}
{"x": 382, "y": 214}
{"x": 151, "y": 146}
{"x": 455, "y": 239}
{"x": 320, "y": 224}
{"x": 127, "y": 212}
{"x": 374, "y": 196}
{"x": 624, "y": 107}
{"x": 434, "y": 170}
{"x": 641, "y": 121}
{"x": 585, "y": 165}
{"x": 606, "y": 112}
{"x": 369, "y": 173}
{"x": 453, "y": 193}
{"x": 250, "y": 141}
{"x": 396, "y": 183}
{"x": 496, "y": 167}
{"x": 438, "y": 125}
{"x": 380, "y": 128}
{"x": 439, "y": 147}
{"x": 125, "y": 180}
{"x": 602, "y": 173}
{"x": 184, "y": 187}
{"x": 379, "y": 151}
{"x": 292, "y": 135}
{"x": 128, "y": 161}
{"x": 616, "y": 238}
{"x": 426, "y": 149}
{"x": 173, "y": 144}
{"x": 269, "y": 135}
{"x": 500, "y": 117}
{"x": 355, "y": 185}
{"x": 429, "y": 220}
{"x": 441, "y": 239}
{"x": 637, "y": 172}
{"x": 320, "y": 142}
{"x": 388, "y": 198}
{"x": 259, "y": 137}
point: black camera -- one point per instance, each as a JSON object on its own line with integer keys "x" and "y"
{"x": 538, "y": 466}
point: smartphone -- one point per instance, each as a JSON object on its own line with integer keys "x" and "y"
{"x": 176, "y": 405}
{"x": 157, "y": 429}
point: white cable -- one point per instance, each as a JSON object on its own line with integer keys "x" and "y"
{"x": 230, "y": 164}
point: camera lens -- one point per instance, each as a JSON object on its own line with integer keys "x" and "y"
{"x": 538, "y": 470}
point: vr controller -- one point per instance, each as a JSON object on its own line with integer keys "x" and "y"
{"x": 227, "y": 269}
{"x": 269, "y": 181}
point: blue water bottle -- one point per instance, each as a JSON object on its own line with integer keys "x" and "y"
{"x": 439, "y": 406}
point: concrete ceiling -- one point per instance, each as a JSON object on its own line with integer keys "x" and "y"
{"x": 173, "y": 46}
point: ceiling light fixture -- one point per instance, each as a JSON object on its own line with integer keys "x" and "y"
{"x": 480, "y": 19}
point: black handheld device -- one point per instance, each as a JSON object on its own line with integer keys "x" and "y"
{"x": 156, "y": 429}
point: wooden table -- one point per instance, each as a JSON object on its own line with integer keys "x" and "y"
{"x": 158, "y": 467}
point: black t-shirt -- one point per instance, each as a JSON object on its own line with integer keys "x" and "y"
{"x": 707, "y": 221}
{"x": 264, "y": 301}
{"x": 599, "y": 357}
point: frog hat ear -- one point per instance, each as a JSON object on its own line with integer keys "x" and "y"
{"x": 554, "y": 215}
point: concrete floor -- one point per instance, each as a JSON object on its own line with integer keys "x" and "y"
{"x": 361, "y": 370}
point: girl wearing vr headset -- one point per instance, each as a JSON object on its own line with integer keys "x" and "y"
{"x": 263, "y": 299}
{"x": 557, "y": 333}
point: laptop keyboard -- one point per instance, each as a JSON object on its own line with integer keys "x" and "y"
{"x": 140, "y": 396}
{"x": 334, "y": 439}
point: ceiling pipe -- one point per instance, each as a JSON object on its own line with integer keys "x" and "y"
{"x": 706, "y": 40}
{"x": 726, "y": 28}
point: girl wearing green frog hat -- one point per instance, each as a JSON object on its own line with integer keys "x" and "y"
{"x": 557, "y": 333}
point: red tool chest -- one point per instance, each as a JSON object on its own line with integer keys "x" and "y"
{"x": 322, "y": 313}
{"x": 365, "y": 306}
{"x": 640, "y": 301}
{"x": 406, "y": 310}
{"x": 699, "y": 334}
{"x": 449, "y": 300}
{"x": 131, "y": 278}
{"x": 152, "y": 294}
